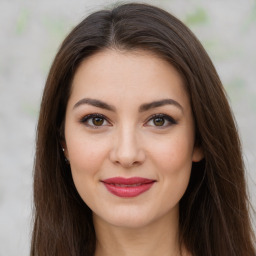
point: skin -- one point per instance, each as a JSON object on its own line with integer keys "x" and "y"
{"x": 129, "y": 141}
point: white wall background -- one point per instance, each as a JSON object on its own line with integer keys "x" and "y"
{"x": 30, "y": 33}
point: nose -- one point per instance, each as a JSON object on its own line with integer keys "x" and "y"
{"x": 127, "y": 150}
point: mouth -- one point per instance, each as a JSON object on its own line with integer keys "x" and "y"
{"x": 131, "y": 187}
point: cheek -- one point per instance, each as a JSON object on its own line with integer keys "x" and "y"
{"x": 173, "y": 164}
{"x": 173, "y": 159}
{"x": 173, "y": 155}
{"x": 86, "y": 159}
{"x": 86, "y": 155}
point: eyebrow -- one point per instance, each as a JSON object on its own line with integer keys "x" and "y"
{"x": 142, "y": 108}
{"x": 160, "y": 103}
{"x": 95, "y": 103}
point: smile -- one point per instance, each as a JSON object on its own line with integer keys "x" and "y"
{"x": 130, "y": 187}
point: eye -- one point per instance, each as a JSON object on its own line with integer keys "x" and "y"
{"x": 161, "y": 120}
{"x": 95, "y": 120}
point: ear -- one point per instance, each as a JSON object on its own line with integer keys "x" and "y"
{"x": 198, "y": 154}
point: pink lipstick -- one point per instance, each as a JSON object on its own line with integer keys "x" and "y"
{"x": 130, "y": 187}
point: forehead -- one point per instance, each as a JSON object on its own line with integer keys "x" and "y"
{"x": 130, "y": 75}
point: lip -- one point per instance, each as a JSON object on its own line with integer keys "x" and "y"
{"x": 128, "y": 187}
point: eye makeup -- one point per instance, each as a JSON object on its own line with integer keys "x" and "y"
{"x": 161, "y": 121}
{"x": 95, "y": 120}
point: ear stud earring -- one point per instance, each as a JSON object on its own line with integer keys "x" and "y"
{"x": 66, "y": 160}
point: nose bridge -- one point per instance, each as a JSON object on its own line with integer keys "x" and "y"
{"x": 127, "y": 141}
{"x": 127, "y": 149}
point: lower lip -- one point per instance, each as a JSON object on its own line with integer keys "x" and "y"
{"x": 128, "y": 191}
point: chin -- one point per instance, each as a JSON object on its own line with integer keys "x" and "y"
{"x": 133, "y": 218}
{"x": 129, "y": 223}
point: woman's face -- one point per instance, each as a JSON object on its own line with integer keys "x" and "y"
{"x": 129, "y": 137}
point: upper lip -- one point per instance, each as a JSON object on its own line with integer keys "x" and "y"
{"x": 128, "y": 181}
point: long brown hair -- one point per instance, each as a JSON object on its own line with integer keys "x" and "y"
{"x": 214, "y": 212}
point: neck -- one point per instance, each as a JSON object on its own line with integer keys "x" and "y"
{"x": 156, "y": 238}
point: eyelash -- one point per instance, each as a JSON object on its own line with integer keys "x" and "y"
{"x": 86, "y": 119}
{"x": 168, "y": 120}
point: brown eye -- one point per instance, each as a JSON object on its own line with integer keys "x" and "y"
{"x": 159, "y": 121}
{"x": 97, "y": 121}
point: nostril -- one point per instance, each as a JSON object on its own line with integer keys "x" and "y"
{"x": 127, "y": 164}
{"x": 126, "y": 150}
{"x": 128, "y": 160}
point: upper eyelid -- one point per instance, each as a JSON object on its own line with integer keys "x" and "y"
{"x": 161, "y": 115}
{"x": 87, "y": 117}
{"x": 170, "y": 121}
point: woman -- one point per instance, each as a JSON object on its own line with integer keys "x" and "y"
{"x": 137, "y": 150}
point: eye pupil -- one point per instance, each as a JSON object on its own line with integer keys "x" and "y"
{"x": 159, "y": 121}
{"x": 98, "y": 121}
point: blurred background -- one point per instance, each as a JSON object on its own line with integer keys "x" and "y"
{"x": 30, "y": 34}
